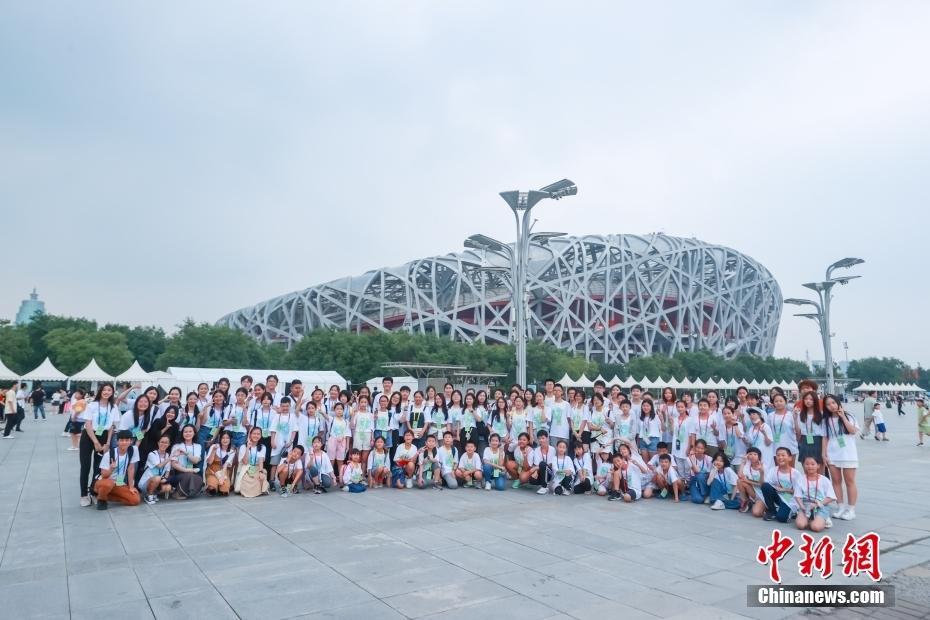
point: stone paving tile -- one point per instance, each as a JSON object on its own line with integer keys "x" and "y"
{"x": 410, "y": 554}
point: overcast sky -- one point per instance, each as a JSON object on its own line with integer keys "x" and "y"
{"x": 188, "y": 159}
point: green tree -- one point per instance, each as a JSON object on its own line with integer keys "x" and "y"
{"x": 211, "y": 346}
{"x": 15, "y": 349}
{"x": 878, "y": 370}
{"x": 145, "y": 342}
{"x": 71, "y": 348}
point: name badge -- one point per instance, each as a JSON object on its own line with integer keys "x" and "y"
{"x": 809, "y": 438}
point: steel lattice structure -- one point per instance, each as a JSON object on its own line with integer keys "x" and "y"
{"x": 606, "y": 297}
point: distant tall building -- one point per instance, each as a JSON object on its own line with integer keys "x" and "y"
{"x": 29, "y": 308}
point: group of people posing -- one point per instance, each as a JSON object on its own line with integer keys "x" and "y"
{"x": 770, "y": 460}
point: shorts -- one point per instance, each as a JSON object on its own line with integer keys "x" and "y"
{"x": 845, "y": 464}
{"x": 880, "y": 427}
{"x": 75, "y": 427}
{"x": 632, "y": 493}
{"x": 652, "y": 445}
{"x": 814, "y": 449}
{"x": 336, "y": 448}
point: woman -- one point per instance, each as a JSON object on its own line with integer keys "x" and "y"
{"x": 810, "y": 430}
{"x": 813, "y": 496}
{"x": 519, "y": 422}
{"x": 220, "y": 461}
{"x": 418, "y": 419}
{"x": 782, "y": 421}
{"x": 173, "y": 399}
{"x": 538, "y": 415}
{"x": 337, "y": 444}
{"x": 137, "y": 420}
{"x": 681, "y": 424}
{"x": 601, "y": 434}
{"x": 455, "y": 418}
{"x": 237, "y": 417}
{"x": 186, "y": 458}
{"x": 100, "y": 419}
{"x": 154, "y": 481}
{"x": 203, "y": 396}
{"x": 842, "y": 455}
{"x": 759, "y": 435}
{"x": 251, "y": 478}
{"x": 165, "y": 426}
{"x": 262, "y": 419}
{"x": 579, "y": 415}
{"x": 211, "y": 420}
{"x": 440, "y": 417}
{"x": 667, "y": 410}
{"x": 470, "y": 418}
{"x": 190, "y": 414}
{"x": 499, "y": 422}
{"x": 651, "y": 429}
{"x": 75, "y": 409}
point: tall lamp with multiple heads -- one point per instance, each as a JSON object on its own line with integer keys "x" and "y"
{"x": 822, "y": 314}
{"x": 522, "y": 203}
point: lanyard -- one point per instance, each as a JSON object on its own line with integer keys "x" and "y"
{"x": 219, "y": 417}
{"x": 560, "y": 465}
{"x": 106, "y": 415}
{"x": 816, "y": 484}
{"x": 706, "y": 426}
{"x": 253, "y": 456}
{"x": 755, "y": 437}
{"x": 121, "y": 464}
{"x": 731, "y": 437}
{"x": 781, "y": 425}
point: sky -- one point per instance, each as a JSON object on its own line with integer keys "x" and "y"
{"x": 172, "y": 160}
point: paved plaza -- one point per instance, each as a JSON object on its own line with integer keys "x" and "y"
{"x": 413, "y": 554}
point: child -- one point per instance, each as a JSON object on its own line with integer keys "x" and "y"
{"x": 778, "y": 490}
{"x": 405, "y": 463}
{"x": 469, "y": 466}
{"x": 681, "y": 438}
{"x": 251, "y": 479}
{"x": 733, "y": 443}
{"x": 353, "y": 478}
{"x": 157, "y": 466}
{"x": 429, "y": 467}
{"x": 923, "y": 421}
{"x": 879, "y": 420}
{"x": 319, "y": 469}
{"x": 283, "y": 431}
{"x": 604, "y": 464}
{"x": 118, "y": 473}
{"x": 751, "y": 477}
{"x": 812, "y": 496}
{"x": 493, "y": 460}
{"x": 291, "y": 471}
{"x": 759, "y": 434}
{"x": 519, "y": 467}
{"x": 625, "y": 479}
{"x": 448, "y": 456}
{"x": 379, "y": 469}
{"x": 563, "y": 470}
{"x": 582, "y": 483}
{"x": 666, "y": 479}
{"x": 220, "y": 460}
{"x": 722, "y": 483}
{"x": 541, "y": 459}
{"x": 363, "y": 427}
{"x": 338, "y": 440}
{"x": 650, "y": 429}
{"x": 699, "y": 466}
{"x": 236, "y": 418}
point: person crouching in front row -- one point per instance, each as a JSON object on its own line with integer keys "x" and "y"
{"x": 118, "y": 474}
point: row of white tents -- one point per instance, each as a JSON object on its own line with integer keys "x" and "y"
{"x": 719, "y": 384}
{"x": 185, "y": 378}
{"x": 889, "y": 387}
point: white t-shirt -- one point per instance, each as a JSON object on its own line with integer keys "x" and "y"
{"x": 321, "y": 462}
{"x": 728, "y": 476}
{"x": 735, "y": 446}
{"x": 878, "y": 417}
{"x": 650, "y": 427}
{"x": 524, "y": 461}
{"x": 123, "y": 460}
{"x": 681, "y": 430}
{"x": 811, "y": 427}
{"x": 339, "y": 428}
{"x": 671, "y": 475}
{"x": 239, "y": 416}
{"x": 281, "y": 428}
{"x": 807, "y": 491}
{"x": 404, "y": 453}
{"x": 262, "y": 418}
{"x": 578, "y": 415}
{"x": 754, "y": 475}
{"x": 182, "y": 453}
{"x": 447, "y": 458}
{"x": 755, "y": 438}
{"x": 226, "y": 457}
{"x": 583, "y": 465}
{"x": 103, "y": 417}
{"x": 251, "y": 456}
{"x": 470, "y": 463}
{"x": 704, "y": 429}
{"x": 783, "y": 431}
{"x": 841, "y": 446}
{"x": 493, "y": 458}
{"x": 376, "y": 460}
{"x": 152, "y": 469}
{"x": 128, "y": 423}
{"x": 626, "y": 427}
{"x": 540, "y": 419}
{"x": 699, "y": 467}
{"x": 563, "y": 467}
{"x": 788, "y": 480}
{"x": 308, "y": 427}
{"x": 634, "y": 476}
{"x": 537, "y": 456}
{"x": 558, "y": 419}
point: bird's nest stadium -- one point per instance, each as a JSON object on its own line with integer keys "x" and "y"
{"x": 608, "y": 298}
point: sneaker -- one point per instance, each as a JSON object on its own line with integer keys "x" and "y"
{"x": 613, "y": 496}
{"x": 559, "y": 490}
{"x": 707, "y": 500}
{"x": 487, "y": 486}
{"x": 542, "y": 491}
{"x": 409, "y": 483}
{"x": 885, "y": 439}
{"x": 85, "y": 501}
{"x": 345, "y": 488}
{"x": 828, "y": 522}
{"x": 73, "y": 449}
{"x": 284, "y": 493}
{"x": 768, "y": 516}
{"x": 842, "y": 515}
{"x": 515, "y": 485}
{"x": 101, "y": 505}
{"x": 150, "y": 500}
{"x": 317, "y": 491}
{"x": 850, "y": 514}
{"x": 717, "y": 505}
{"x": 9, "y": 436}
{"x": 744, "y": 508}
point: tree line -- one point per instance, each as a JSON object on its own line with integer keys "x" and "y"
{"x": 71, "y": 342}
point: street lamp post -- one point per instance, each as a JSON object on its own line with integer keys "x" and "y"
{"x": 822, "y": 316}
{"x": 522, "y": 203}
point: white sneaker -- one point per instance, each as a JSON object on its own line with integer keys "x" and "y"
{"x": 828, "y": 523}
{"x": 65, "y": 434}
{"x": 717, "y": 505}
{"x": 72, "y": 449}
{"x": 542, "y": 491}
{"x": 848, "y": 515}
{"x": 487, "y": 486}
{"x": 10, "y": 436}
{"x": 85, "y": 501}
{"x": 150, "y": 500}
{"x": 345, "y": 488}
{"x": 839, "y": 509}
{"x": 409, "y": 483}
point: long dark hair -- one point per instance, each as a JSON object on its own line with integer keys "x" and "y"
{"x": 841, "y": 426}
{"x": 99, "y": 395}
{"x": 442, "y": 406}
{"x": 136, "y": 413}
{"x": 818, "y": 415}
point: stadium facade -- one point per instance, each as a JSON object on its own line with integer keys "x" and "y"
{"x": 608, "y": 298}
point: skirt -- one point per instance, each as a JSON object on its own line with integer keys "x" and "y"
{"x": 218, "y": 482}
{"x": 250, "y": 484}
{"x": 810, "y": 449}
{"x": 187, "y": 484}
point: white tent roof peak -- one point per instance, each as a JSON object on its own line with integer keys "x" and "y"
{"x": 92, "y": 372}
{"x": 134, "y": 374}
{"x": 45, "y": 372}
{"x": 6, "y": 374}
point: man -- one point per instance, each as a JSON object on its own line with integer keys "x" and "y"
{"x": 550, "y": 391}
{"x": 20, "y": 407}
{"x": 37, "y": 398}
{"x": 271, "y": 385}
{"x": 867, "y": 406}
{"x": 559, "y": 419}
{"x": 297, "y": 396}
{"x": 9, "y": 411}
{"x": 900, "y": 401}
{"x": 118, "y": 473}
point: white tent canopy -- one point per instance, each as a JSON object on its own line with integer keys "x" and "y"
{"x": 134, "y": 374}
{"x": 566, "y": 381}
{"x": 188, "y": 378}
{"x": 45, "y": 372}
{"x": 6, "y": 374}
{"x": 584, "y": 382}
{"x": 92, "y": 373}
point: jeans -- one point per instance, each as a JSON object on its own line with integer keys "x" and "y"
{"x": 774, "y": 503}
{"x": 499, "y": 482}
{"x": 698, "y": 488}
{"x": 204, "y": 439}
{"x": 37, "y": 409}
{"x": 357, "y": 487}
{"x": 718, "y": 490}
{"x": 314, "y": 473}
